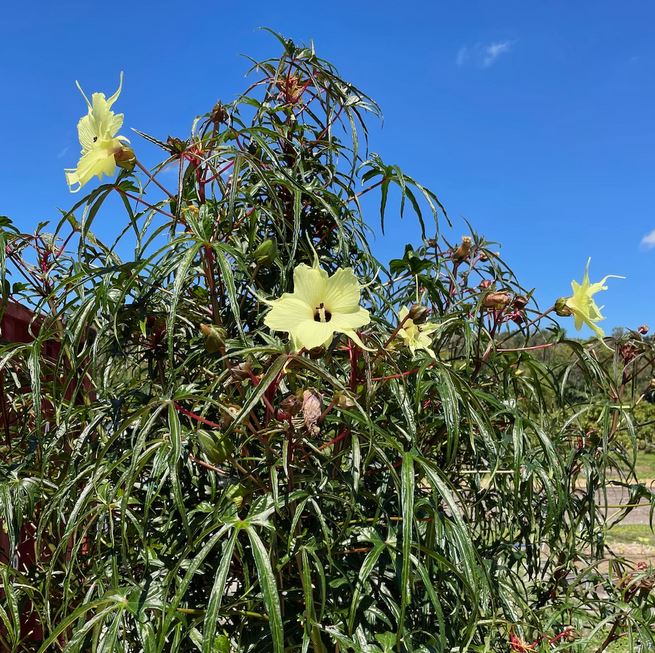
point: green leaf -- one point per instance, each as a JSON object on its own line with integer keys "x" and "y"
{"x": 407, "y": 481}
{"x": 269, "y": 589}
{"x": 217, "y": 593}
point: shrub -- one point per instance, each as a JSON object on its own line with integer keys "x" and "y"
{"x": 200, "y": 481}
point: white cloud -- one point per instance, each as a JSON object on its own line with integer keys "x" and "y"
{"x": 648, "y": 241}
{"x": 62, "y": 152}
{"x": 482, "y": 55}
{"x": 462, "y": 55}
{"x": 493, "y": 51}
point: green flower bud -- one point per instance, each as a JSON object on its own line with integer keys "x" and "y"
{"x": 342, "y": 400}
{"x": 125, "y": 158}
{"x": 561, "y": 308}
{"x": 235, "y": 493}
{"x": 266, "y": 252}
{"x": 214, "y": 337}
{"x": 176, "y": 145}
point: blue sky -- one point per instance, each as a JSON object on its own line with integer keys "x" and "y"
{"x": 533, "y": 120}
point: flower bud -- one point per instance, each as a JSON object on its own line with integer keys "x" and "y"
{"x": 214, "y": 337}
{"x": 291, "y": 405}
{"x": 418, "y": 313}
{"x": 316, "y": 352}
{"x": 236, "y": 493}
{"x": 218, "y": 113}
{"x": 242, "y": 371}
{"x": 342, "y": 400}
{"x": 561, "y": 308}
{"x": 230, "y": 412}
{"x": 266, "y": 252}
{"x": 496, "y": 300}
{"x": 312, "y": 403}
{"x": 176, "y": 145}
{"x": 125, "y": 158}
{"x": 520, "y": 302}
{"x": 463, "y": 250}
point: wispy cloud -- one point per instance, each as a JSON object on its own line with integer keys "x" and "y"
{"x": 462, "y": 55}
{"x": 648, "y": 241}
{"x": 493, "y": 51}
{"x": 482, "y": 55}
{"x": 63, "y": 151}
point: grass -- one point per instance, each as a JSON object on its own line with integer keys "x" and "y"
{"x": 620, "y": 646}
{"x": 636, "y": 541}
{"x": 632, "y": 534}
{"x": 645, "y": 467}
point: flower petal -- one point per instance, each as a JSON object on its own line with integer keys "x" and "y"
{"x": 347, "y": 321}
{"x": 596, "y": 329}
{"x": 309, "y": 284}
{"x": 342, "y": 292}
{"x": 114, "y": 97}
{"x": 310, "y": 334}
{"x": 357, "y": 340}
{"x": 95, "y": 163}
{"x": 100, "y": 123}
{"x": 582, "y": 305}
{"x": 287, "y": 313}
{"x": 429, "y": 327}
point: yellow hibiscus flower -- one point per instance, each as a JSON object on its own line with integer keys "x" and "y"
{"x": 100, "y": 145}
{"x": 416, "y": 336}
{"x": 320, "y": 306}
{"x": 582, "y": 305}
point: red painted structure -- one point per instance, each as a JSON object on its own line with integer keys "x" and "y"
{"x": 18, "y": 325}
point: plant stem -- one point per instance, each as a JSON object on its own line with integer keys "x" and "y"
{"x": 153, "y": 179}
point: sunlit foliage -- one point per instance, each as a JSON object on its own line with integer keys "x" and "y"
{"x": 196, "y": 482}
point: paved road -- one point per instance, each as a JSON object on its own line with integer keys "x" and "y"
{"x": 617, "y": 496}
{"x": 637, "y": 551}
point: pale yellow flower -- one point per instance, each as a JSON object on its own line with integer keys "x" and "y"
{"x": 100, "y": 144}
{"x": 416, "y": 336}
{"x": 320, "y": 306}
{"x": 582, "y": 305}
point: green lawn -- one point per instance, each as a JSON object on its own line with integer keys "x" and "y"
{"x": 622, "y": 646}
{"x": 618, "y": 647}
{"x": 637, "y": 541}
{"x": 645, "y": 467}
{"x": 632, "y": 533}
